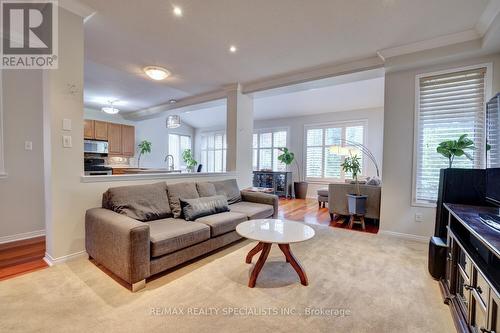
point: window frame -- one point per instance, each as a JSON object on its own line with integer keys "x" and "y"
{"x": 272, "y": 130}
{"x": 224, "y": 149}
{"x": 488, "y": 80}
{"x": 347, "y": 123}
{"x": 180, "y": 162}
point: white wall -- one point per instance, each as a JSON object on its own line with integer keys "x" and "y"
{"x": 155, "y": 131}
{"x": 102, "y": 116}
{"x": 398, "y": 214}
{"x": 21, "y": 193}
{"x": 374, "y": 136}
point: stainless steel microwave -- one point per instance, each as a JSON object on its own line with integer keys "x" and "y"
{"x": 95, "y": 147}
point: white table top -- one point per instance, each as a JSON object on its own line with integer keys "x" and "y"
{"x": 275, "y": 231}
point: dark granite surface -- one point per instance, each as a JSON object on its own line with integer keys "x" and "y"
{"x": 469, "y": 217}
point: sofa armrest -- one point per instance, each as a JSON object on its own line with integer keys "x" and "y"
{"x": 262, "y": 198}
{"x": 119, "y": 243}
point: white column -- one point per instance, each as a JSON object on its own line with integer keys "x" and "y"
{"x": 239, "y": 131}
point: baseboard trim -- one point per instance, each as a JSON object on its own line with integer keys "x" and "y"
{"x": 54, "y": 261}
{"x": 421, "y": 239}
{"x": 18, "y": 237}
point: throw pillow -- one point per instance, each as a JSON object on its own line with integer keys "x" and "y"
{"x": 230, "y": 189}
{"x": 206, "y": 189}
{"x": 180, "y": 190}
{"x": 196, "y": 208}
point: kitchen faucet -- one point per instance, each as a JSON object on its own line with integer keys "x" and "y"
{"x": 170, "y": 166}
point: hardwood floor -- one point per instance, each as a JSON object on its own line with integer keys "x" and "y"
{"x": 22, "y": 257}
{"x": 308, "y": 211}
{"x": 26, "y": 256}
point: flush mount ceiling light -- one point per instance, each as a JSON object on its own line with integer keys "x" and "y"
{"x": 172, "y": 101}
{"x": 177, "y": 11}
{"x": 110, "y": 109}
{"x": 156, "y": 73}
{"x": 173, "y": 121}
{"x": 233, "y": 49}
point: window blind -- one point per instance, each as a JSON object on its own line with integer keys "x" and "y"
{"x": 448, "y": 106}
{"x": 213, "y": 152}
{"x": 266, "y": 144}
{"x": 493, "y": 133}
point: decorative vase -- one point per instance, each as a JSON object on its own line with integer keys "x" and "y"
{"x": 300, "y": 190}
{"x": 356, "y": 204}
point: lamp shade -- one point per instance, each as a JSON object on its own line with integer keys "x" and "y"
{"x": 173, "y": 121}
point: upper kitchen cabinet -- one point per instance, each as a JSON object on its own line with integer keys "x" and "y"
{"x": 128, "y": 140}
{"x": 100, "y": 130}
{"x": 88, "y": 129}
{"x": 115, "y": 139}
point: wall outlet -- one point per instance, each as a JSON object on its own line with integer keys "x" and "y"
{"x": 67, "y": 141}
{"x": 28, "y": 145}
{"x": 419, "y": 217}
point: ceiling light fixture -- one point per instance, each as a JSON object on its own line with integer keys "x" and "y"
{"x": 172, "y": 101}
{"x": 233, "y": 49}
{"x": 177, "y": 11}
{"x": 156, "y": 73}
{"x": 110, "y": 109}
{"x": 173, "y": 121}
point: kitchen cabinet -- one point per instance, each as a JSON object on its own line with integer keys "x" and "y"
{"x": 128, "y": 140}
{"x": 100, "y": 130}
{"x": 88, "y": 129}
{"x": 115, "y": 139}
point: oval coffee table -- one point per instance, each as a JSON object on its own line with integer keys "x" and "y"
{"x": 269, "y": 231}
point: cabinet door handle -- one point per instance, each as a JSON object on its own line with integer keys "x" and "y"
{"x": 484, "y": 330}
{"x": 479, "y": 290}
{"x": 468, "y": 287}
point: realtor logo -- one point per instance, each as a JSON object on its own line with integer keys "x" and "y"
{"x": 29, "y": 34}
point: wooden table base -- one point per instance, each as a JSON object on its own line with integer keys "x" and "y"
{"x": 266, "y": 248}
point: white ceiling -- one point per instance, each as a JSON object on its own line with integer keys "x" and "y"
{"x": 342, "y": 97}
{"x": 273, "y": 38}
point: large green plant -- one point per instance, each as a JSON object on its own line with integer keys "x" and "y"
{"x": 187, "y": 157}
{"x": 144, "y": 148}
{"x": 352, "y": 164}
{"x": 456, "y": 148}
{"x": 288, "y": 158}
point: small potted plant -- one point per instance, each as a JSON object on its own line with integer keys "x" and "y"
{"x": 187, "y": 157}
{"x": 456, "y": 148}
{"x": 300, "y": 187}
{"x": 144, "y": 148}
{"x": 357, "y": 201}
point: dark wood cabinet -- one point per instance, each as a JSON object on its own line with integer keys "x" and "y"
{"x": 472, "y": 281}
{"x": 279, "y": 182}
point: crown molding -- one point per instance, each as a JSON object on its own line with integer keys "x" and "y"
{"x": 78, "y": 8}
{"x": 490, "y": 13}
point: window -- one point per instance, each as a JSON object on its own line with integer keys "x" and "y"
{"x": 266, "y": 144}
{"x": 328, "y": 145}
{"x": 447, "y": 105}
{"x": 213, "y": 152}
{"x": 176, "y": 146}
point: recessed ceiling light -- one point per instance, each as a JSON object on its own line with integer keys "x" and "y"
{"x": 156, "y": 73}
{"x": 177, "y": 11}
{"x": 233, "y": 49}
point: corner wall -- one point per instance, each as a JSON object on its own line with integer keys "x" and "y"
{"x": 398, "y": 213}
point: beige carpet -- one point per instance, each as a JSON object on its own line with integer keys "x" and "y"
{"x": 358, "y": 283}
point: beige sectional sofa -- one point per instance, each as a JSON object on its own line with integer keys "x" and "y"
{"x": 140, "y": 230}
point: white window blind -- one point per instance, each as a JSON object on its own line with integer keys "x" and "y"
{"x": 176, "y": 146}
{"x": 266, "y": 144}
{"x": 448, "y": 105}
{"x": 213, "y": 152}
{"x": 324, "y": 153}
{"x": 493, "y": 133}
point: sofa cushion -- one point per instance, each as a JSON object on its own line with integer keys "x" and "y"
{"x": 206, "y": 189}
{"x": 170, "y": 235}
{"x": 223, "y": 222}
{"x": 252, "y": 210}
{"x": 180, "y": 190}
{"x": 323, "y": 192}
{"x": 229, "y": 188}
{"x": 195, "y": 208}
{"x": 140, "y": 202}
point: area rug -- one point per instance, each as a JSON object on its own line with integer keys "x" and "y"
{"x": 358, "y": 282}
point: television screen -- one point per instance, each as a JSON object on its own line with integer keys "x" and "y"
{"x": 493, "y": 186}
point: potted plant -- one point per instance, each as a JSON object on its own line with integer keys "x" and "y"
{"x": 187, "y": 157}
{"x": 357, "y": 201}
{"x": 456, "y": 148}
{"x": 144, "y": 148}
{"x": 300, "y": 187}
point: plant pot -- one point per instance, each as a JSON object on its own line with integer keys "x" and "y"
{"x": 300, "y": 190}
{"x": 356, "y": 204}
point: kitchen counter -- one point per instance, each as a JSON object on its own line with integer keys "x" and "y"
{"x": 141, "y": 176}
{"x": 135, "y": 171}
